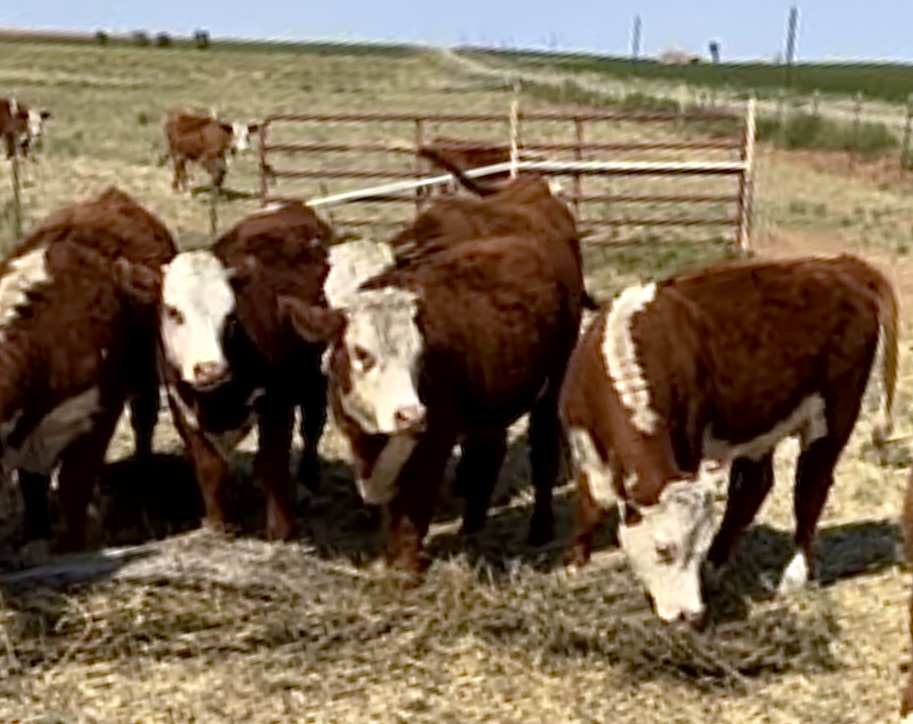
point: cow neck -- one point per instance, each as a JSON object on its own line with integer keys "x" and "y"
{"x": 18, "y": 375}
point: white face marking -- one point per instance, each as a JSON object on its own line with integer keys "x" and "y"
{"x": 587, "y": 461}
{"x": 383, "y": 345}
{"x": 35, "y": 124}
{"x": 350, "y": 264}
{"x": 41, "y": 450}
{"x": 555, "y": 187}
{"x": 240, "y": 136}
{"x": 620, "y": 356}
{"x": 24, "y": 273}
{"x": 196, "y": 302}
{"x": 666, "y": 547}
{"x": 795, "y": 576}
{"x": 808, "y": 421}
{"x": 379, "y": 488}
{"x": 14, "y": 106}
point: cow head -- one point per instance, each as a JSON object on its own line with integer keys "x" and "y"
{"x": 198, "y": 304}
{"x": 35, "y": 127}
{"x": 665, "y": 545}
{"x": 240, "y": 135}
{"x": 373, "y": 356}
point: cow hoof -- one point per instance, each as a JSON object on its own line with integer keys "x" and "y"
{"x": 795, "y": 577}
{"x": 540, "y": 534}
{"x": 577, "y": 558}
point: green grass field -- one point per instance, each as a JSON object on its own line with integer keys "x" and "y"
{"x": 210, "y": 630}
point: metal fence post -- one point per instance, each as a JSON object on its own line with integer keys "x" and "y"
{"x": 264, "y": 168}
{"x": 905, "y": 141}
{"x": 578, "y": 156}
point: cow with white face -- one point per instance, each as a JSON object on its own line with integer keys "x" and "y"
{"x": 720, "y": 364}
{"x": 229, "y": 363}
{"x": 451, "y": 349}
{"x": 21, "y": 127}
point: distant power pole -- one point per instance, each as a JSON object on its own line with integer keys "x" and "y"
{"x": 635, "y": 39}
{"x": 791, "y": 29}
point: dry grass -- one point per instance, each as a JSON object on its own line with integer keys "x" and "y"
{"x": 206, "y": 629}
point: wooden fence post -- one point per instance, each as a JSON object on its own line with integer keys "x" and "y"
{"x": 905, "y": 141}
{"x": 514, "y": 130}
{"x": 420, "y": 162}
{"x": 214, "y": 210}
{"x": 578, "y": 156}
{"x": 857, "y": 128}
{"x": 746, "y": 182}
{"x": 264, "y": 167}
{"x": 17, "y": 199}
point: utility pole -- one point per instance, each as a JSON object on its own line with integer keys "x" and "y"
{"x": 791, "y": 29}
{"x": 635, "y": 40}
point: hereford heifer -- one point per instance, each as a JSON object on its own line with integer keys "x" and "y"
{"x": 229, "y": 363}
{"x": 525, "y": 205}
{"x": 113, "y": 242}
{"x": 453, "y": 348}
{"x": 71, "y": 327}
{"x": 720, "y": 364}
{"x": 205, "y": 140}
{"x": 21, "y": 127}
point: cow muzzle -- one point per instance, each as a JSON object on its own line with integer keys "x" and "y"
{"x": 410, "y": 418}
{"x": 207, "y": 375}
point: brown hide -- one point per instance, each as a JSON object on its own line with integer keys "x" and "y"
{"x": 524, "y": 205}
{"x": 734, "y": 349}
{"x": 499, "y": 319}
{"x": 201, "y": 139}
{"x": 278, "y": 252}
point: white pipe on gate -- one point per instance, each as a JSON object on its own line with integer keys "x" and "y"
{"x": 556, "y": 167}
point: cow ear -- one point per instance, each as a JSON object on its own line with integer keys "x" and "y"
{"x": 243, "y": 272}
{"x": 316, "y": 325}
{"x": 137, "y": 282}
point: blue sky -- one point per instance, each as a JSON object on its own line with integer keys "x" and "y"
{"x": 829, "y": 29}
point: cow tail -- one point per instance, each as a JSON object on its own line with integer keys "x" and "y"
{"x": 887, "y": 335}
{"x": 440, "y": 159}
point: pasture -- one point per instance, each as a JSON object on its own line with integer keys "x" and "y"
{"x": 205, "y": 629}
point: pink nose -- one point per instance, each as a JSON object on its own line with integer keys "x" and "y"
{"x": 409, "y": 418}
{"x": 208, "y": 373}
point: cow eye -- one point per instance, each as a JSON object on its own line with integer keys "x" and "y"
{"x": 364, "y": 358}
{"x": 174, "y": 314}
{"x": 665, "y": 552}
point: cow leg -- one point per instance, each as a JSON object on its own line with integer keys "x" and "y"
{"x": 313, "y": 406}
{"x": 37, "y": 515}
{"x": 477, "y": 474}
{"x": 815, "y": 472}
{"x": 144, "y": 412}
{"x": 408, "y": 514}
{"x": 588, "y": 515}
{"x": 750, "y": 481}
{"x": 80, "y": 466}
{"x": 545, "y": 443}
{"x": 271, "y": 471}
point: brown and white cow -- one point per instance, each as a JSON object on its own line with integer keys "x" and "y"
{"x": 21, "y": 127}
{"x": 229, "y": 361}
{"x": 526, "y": 205}
{"x": 77, "y": 334}
{"x": 453, "y": 348}
{"x": 720, "y": 364}
{"x": 205, "y": 140}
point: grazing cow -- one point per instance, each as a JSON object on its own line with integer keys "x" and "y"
{"x": 228, "y": 362}
{"x": 906, "y": 524}
{"x": 205, "y": 140}
{"x": 720, "y": 364}
{"x": 77, "y": 326}
{"x": 453, "y": 348}
{"x": 525, "y": 205}
{"x": 21, "y": 127}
